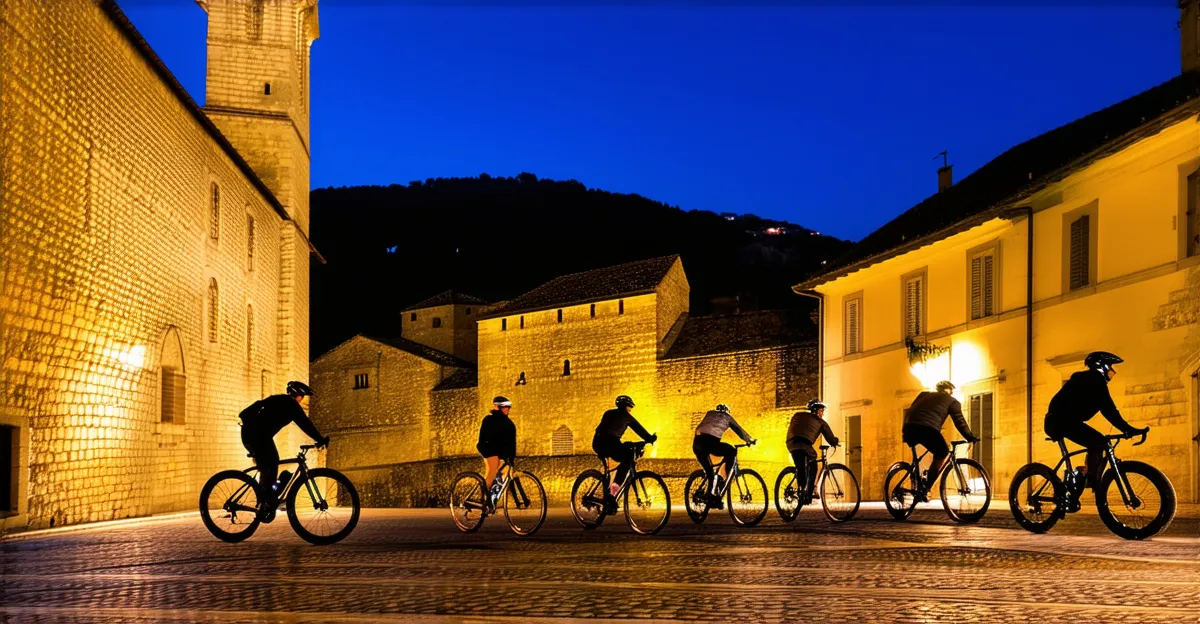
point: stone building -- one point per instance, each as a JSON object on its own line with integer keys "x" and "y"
{"x": 153, "y": 254}
{"x": 562, "y": 352}
{"x": 1084, "y": 238}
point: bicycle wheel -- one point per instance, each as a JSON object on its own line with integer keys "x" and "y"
{"x": 898, "y": 491}
{"x": 966, "y": 492}
{"x": 747, "y": 498}
{"x": 1151, "y": 509}
{"x": 787, "y": 494}
{"x": 587, "y": 499}
{"x": 525, "y": 503}
{"x": 647, "y": 503}
{"x": 323, "y": 508}
{"x": 695, "y": 497}
{"x": 229, "y": 505}
{"x": 1035, "y": 498}
{"x": 839, "y": 493}
{"x": 468, "y": 505}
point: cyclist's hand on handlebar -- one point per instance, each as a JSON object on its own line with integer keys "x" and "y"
{"x": 753, "y": 441}
{"x": 1133, "y": 433}
{"x": 973, "y": 439}
{"x": 653, "y": 438}
{"x": 323, "y": 442}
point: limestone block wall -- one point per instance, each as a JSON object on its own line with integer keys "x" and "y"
{"x": 106, "y": 243}
{"x": 671, "y": 303}
{"x": 455, "y": 332}
{"x": 454, "y": 422}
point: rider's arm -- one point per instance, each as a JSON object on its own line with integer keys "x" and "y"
{"x": 301, "y": 419}
{"x": 1110, "y": 411}
{"x": 828, "y": 433}
{"x": 638, "y": 428}
{"x": 733, "y": 424}
{"x": 960, "y": 421}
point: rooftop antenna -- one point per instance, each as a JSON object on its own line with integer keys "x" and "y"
{"x": 944, "y": 158}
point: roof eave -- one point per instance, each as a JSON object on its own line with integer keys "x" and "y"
{"x": 502, "y": 313}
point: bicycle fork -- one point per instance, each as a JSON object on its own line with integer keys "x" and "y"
{"x": 1131, "y": 500}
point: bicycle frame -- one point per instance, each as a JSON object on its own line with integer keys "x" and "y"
{"x": 734, "y": 472}
{"x": 638, "y": 450}
{"x": 822, "y": 464}
{"x": 1110, "y": 455}
{"x": 949, "y": 464}
{"x": 504, "y": 476}
{"x": 302, "y": 469}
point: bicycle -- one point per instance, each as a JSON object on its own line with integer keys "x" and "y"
{"x": 751, "y": 494}
{"x": 647, "y": 500}
{"x": 522, "y": 492}
{"x": 239, "y": 504}
{"x": 836, "y": 483}
{"x": 1039, "y": 510}
{"x": 965, "y": 501}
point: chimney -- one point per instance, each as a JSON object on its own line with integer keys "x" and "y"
{"x": 945, "y": 177}
{"x": 1189, "y": 35}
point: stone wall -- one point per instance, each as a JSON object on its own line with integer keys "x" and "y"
{"x": 106, "y": 243}
{"x": 455, "y": 422}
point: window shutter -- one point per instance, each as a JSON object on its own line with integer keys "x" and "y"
{"x": 1079, "y": 252}
{"x": 852, "y": 327}
{"x": 562, "y": 442}
{"x": 1193, "y": 214}
{"x": 977, "y": 287}
{"x": 989, "y": 285}
{"x": 912, "y": 307}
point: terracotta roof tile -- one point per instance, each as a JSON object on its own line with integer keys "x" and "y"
{"x": 730, "y": 333}
{"x": 623, "y": 280}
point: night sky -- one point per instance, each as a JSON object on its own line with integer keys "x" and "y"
{"x": 825, "y": 116}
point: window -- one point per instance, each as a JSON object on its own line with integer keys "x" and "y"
{"x": 521, "y": 379}
{"x": 1192, "y": 214}
{"x": 267, "y": 88}
{"x": 593, "y": 310}
{"x": 621, "y": 307}
{"x": 249, "y": 333}
{"x": 8, "y": 441}
{"x": 503, "y": 324}
{"x": 983, "y": 284}
{"x": 412, "y": 317}
{"x": 560, "y": 316}
{"x": 437, "y": 322}
{"x": 361, "y": 381}
{"x": 914, "y": 303}
{"x": 254, "y": 19}
{"x": 522, "y": 321}
{"x": 562, "y": 442}
{"x": 214, "y": 217}
{"x": 853, "y": 318}
{"x": 1080, "y": 229}
{"x": 172, "y": 381}
{"x": 468, "y": 311}
{"x": 213, "y": 307}
{"x": 249, "y": 242}
{"x": 566, "y": 367}
{"x": 983, "y": 425}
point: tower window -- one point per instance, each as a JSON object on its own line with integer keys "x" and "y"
{"x": 593, "y": 310}
{"x": 521, "y": 379}
{"x": 214, "y": 217}
{"x": 560, "y": 316}
{"x": 267, "y": 88}
{"x": 437, "y": 322}
{"x": 566, "y": 367}
{"x": 249, "y": 333}
{"x": 503, "y": 324}
{"x": 361, "y": 381}
{"x": 621, "y": 307}
{"x": 250, "y": 242}
{"x": 468, "y": 311}
{"x": 522, "y": 321}
{"x": 213, "y": 307}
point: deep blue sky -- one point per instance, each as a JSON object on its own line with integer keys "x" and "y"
{"x": 828, "y": 117}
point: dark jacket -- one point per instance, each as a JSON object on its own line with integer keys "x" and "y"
{"x": 615, "y": 421}
{"x": 930, "y": 409}
{"x": 497, "y": 436}
{"x": 804, "y": 429}
{"x": 1084, "y": 394}
{"x": 267, "y": 417}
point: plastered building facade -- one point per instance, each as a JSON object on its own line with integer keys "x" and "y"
{"x": 153, "y": 256}
{"x": 562, "y": 353}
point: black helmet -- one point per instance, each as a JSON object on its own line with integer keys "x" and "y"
{"x": 945, "y": 386}
{"x": 815, "y": 405}
{"x": 721, "y": 407}
{"x": 499, "y": 402}
{"x": 624, "y": 401}
{"x": 1101, "y": 361}
{"x": 298, "y": 389}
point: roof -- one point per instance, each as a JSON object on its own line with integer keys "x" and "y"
{"x": 448, "y": 297}
{"x": 461, "y": 378}
{"x": 622, "y": 280}
{"x": 420, "y": 350}
{"x": 139, "y": 43}
{"x": 995, "y": 188}
{"x": 745, "y": 331}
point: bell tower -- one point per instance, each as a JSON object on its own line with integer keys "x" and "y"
{"x": 257, "y": 94}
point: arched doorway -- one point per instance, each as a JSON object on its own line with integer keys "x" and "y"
{"x": 170, "y": 468}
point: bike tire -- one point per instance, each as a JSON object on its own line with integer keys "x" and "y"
{"x": 205, "y": 512}
{"x": 974, "y": 516}
{"x": 896, "y": 475}
{"x": 788, "y": 503}
{"x": 697, "y": 485}
{"x": 346, "y": 492}
{"x": 1017, "y": 504}
{"x": 472, "y": 483}
{"x": 1166, "y": 493}
{"x": 528, "y": 482}
{"x": 595, "y": 477}
{"x": 844, "y": 479}
{"x": 756, "y": 486}
{"x": 650, "y": 528}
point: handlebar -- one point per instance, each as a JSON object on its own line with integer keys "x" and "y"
{"x": 1121, "y": 436}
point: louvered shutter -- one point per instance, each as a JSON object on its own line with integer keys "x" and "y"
{"x": 1079, "y": 252}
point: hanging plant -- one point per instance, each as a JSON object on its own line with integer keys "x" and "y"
{"x": 923, "y": 352}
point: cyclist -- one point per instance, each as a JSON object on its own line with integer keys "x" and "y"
{"x": 267, "y": 417}
{"x": 607, "y": 443}
{"x": 923, "y": 425}
{"x": 1084, "y": 394}
{"x": 708, "y": 442}
{"x": 497, "y": 440}
{"x": 801, "y": 435}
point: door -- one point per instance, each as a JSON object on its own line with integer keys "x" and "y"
{"x": 8, "y": 470}
{"x": 982, "y": 421}
{"x": 854, "y": 445}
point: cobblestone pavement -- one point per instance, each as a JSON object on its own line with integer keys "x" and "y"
{"x": 414, "y": 566}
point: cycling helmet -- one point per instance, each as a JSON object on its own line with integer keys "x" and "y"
{"x": 815, "y": 405}
{"x": 624, "y": 401}
{"x": 945, "y": 386}
{"x": 298, "y": 389}
{"x": 500, "y": 402}
{"x": 721, "y": 407}
{"x": 1101, "y": 361}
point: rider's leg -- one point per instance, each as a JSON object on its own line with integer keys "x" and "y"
{"x": 933, "y": 442}
{"x": 1087, "y": 437}
{"x": 701, "y": 447}
{"x": 625, "y": 456}
{"x": 266, "y": 456}
{"x": 726, "y": 452}
{"x": 493, "y": 466}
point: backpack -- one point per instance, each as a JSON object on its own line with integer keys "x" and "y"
{"x": 247, "y": 415}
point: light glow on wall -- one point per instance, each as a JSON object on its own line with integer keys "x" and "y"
{"x": 966, "y": 363}
{"x": 133, "y": 357}
{"x": 932, "y": 370}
